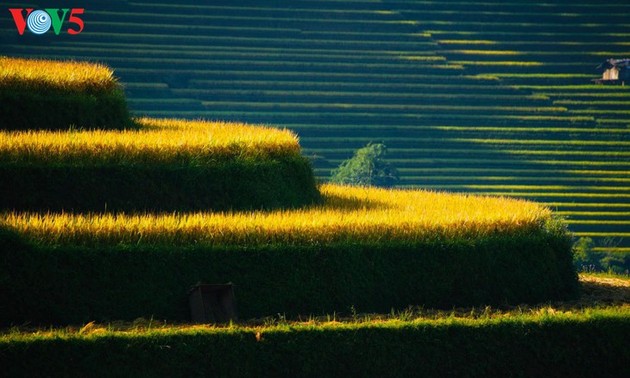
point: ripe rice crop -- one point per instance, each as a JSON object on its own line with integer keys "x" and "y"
{"x": 350, "y": 215}
{"x": 165, "y": 165}
{"x": 157, "y": 142}
{"x": 59, "y": 95}
{"x": 35, "y": 74}
{"x": 370, "y": 248}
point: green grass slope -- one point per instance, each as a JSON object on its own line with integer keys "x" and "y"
{"x": 546, "y": 343}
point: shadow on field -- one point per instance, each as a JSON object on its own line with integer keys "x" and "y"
{"x": 334, "y": 202}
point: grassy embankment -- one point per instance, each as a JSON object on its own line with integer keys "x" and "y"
{"x": 574, "y": 338}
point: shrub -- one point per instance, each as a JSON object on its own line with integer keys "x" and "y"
{"x": 366, "y": 168}
{"x": 587, "y": 259}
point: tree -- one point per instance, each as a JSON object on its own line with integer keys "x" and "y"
{"x": 366, "y": 168}
{"x": 583, "y": 256}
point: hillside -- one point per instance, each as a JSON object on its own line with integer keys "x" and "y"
{"x": 468, "y": 96}
{"x": 116, "y": 236}
{"x": 166, "y": 203}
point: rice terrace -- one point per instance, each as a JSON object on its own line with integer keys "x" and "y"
{"x": 315, "y": 188}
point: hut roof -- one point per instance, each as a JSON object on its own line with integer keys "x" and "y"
{"x": 610, "y": 63}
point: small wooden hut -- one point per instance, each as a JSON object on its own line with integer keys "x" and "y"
{"x": 614, "y": 71}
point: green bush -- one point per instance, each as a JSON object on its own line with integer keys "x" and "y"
{"x": 231, "y": 183}
{"x": 567, "y": 345}
{"x": 586, "y": 259}
{"x": 64, "y": 284}
{"x": 366, "y": 168}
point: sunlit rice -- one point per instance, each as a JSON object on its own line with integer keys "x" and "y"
{"x": 159, "y": 141}
{"x": 349, "y": 215}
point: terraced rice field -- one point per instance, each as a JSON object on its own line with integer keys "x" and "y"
{"x": 481, "y": 97}
{"x": 156, "y": 142}
{"x": 349, "y": 215}
{"x": 44, "y": 74}
{"x": 551, "y": 52}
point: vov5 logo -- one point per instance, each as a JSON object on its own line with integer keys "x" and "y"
{"x": 40, "y": 21}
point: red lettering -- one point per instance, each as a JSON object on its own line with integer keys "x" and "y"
{"x": 19, "y": 19}
{"x": 76, "y": 20}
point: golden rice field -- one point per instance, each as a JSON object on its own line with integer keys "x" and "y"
{"x": 348, "y": 215}
{"x": 158, "y": 141}
{"x": 66, "y": 75}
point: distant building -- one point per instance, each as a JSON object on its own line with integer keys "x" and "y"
{"x": 614, "y": 71}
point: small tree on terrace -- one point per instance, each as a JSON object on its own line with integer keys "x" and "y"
{"x": 366, "y": 168}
